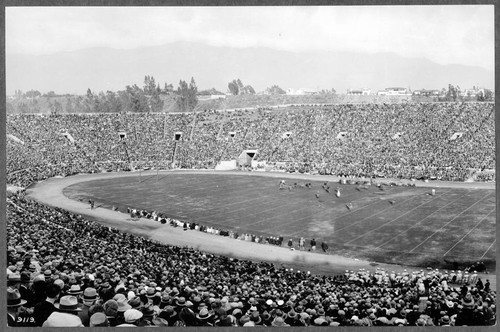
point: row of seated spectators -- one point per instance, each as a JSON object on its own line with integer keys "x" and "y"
{"x": 64, "y": 270}
{"x": 367, "y": 149}
{"x": 162, "y": 218}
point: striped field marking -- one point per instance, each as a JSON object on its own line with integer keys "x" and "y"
{"x": 455, "y": 217}
{"x": 419, "y": 222}
{"x": 463, "y": 237}
{"x": 390, "y": 221}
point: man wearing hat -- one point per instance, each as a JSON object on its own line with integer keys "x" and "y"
{"x": 148, "y": 315}
{"x": 291, "y": 318}
{"x": 111, "y": 311}
{"x": 106, "y": 292}
{"x": 132, "y": 318}
{"x": 179, "y": 304}
{"x": 123, "y": 306}
{"x": 24, "y": 289}
{"x": 89, "y": 299}
{"x": 279, "y": 322}
{"x": 444, "y": 321}
{"x": 14, "y": 280}
{"x": 205, "y": 317}
{"x": 14, "y": 303}
{"x": 74, "y": 290}
{"x": 98, "y": 319}
{"x": 245, "y": 321}
{"x": 168, "y": 313}
{"x": 466, "y": 316}
{"x": 45, "y": 308}
{"x": 67, "y": 314}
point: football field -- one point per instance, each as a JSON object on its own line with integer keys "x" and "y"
{"x": 390, "y": 224}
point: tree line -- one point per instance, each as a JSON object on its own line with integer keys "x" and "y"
{"x": 148, "y": 98}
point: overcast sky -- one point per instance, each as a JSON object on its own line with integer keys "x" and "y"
{"x": 445, "y": 34}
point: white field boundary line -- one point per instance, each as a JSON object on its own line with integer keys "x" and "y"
{"x": 243, "y": 208}
{"x": 273, "y": 200}
{"x": 390, "y": 221}
{"x": 455, "y": 217}
{"x": 306, "y": 177}
{"x": 361, "y": 220}
{"x": 246, "y": 201}
{"x": 220, "y": 189}
{"x": 419, "y": 222}
{"x": 463, "y": 237}
{"x": 326, "y": 213}
{"x": 217, "y": 187}
{"x": 273, "y": 207}
{"x": 491, "y": 245}
{"x": 320, "y": 214}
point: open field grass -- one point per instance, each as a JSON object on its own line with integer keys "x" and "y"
{"x": 401, "y": 225}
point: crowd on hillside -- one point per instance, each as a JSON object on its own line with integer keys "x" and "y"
{"x": 364, "y": 140}
{"x": 64, "y": 270}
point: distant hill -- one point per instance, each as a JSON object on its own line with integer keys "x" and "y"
{"x": 102, "y": 69}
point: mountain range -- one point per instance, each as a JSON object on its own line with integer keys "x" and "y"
{"x": 102, "y": 69}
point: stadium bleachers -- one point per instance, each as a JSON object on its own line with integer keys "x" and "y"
{"x": 142, "y": 282}
{"x": 423, "y": 150}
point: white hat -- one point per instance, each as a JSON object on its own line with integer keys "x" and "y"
{"x": 61, "y": 319}
{"x": 131, "y": 315}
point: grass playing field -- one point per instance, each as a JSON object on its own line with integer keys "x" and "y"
{"x": 402, "y": 225}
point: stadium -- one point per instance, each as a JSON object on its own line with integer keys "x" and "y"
{"x": 207, "y": 218}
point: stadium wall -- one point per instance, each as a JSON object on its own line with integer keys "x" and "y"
{"x": 226, "y": 165}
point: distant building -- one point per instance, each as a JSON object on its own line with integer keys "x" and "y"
{"x": 394, "y": 92}
{"x": 359, "y": 92}
{"x": 474, "y": 92}
{"x": 301, "y": 92}
{"x": 426, "y": 93}
{"x": 211, "y": 97}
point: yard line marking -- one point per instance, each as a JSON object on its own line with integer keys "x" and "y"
{"x": 455, "y": 217}
{"x": 221, "y": 189}
{"x": 491, "y": 245}
{"x": 370, "y": 216}
{"x": 326, "y": 213}
{"x": 246, "y": 207}
{"x": 201, "y": 185}
{"x": 361, "y": 220}
{"x": 329, "y": 211}
{"x": 406, "y": 230}
{"x": 398, "y": 217}
{"x": 463, "y": 237}
{"x": 272, "y": 201}
{"x": 147, "y": 178}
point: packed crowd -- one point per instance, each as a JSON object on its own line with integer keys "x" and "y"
{"x": 385, "y": 140}
{"x": 64, "y": 270}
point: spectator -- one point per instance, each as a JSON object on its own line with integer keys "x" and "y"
{"x": 67, "y": 314}
{"x": 313, "y": 244}
{"x": 44, "y": 309}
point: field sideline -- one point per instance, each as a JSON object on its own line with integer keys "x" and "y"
{"x": 431, "y": 229}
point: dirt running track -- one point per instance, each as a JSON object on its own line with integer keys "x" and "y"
{"x": 50, "y": 192}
